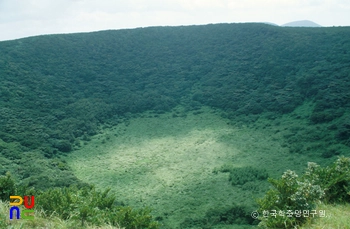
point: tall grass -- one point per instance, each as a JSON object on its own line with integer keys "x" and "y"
{"x": 336, "y": 217}
{"x": 41, "y": 221}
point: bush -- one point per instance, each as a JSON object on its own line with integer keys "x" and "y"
{"x": 321, "y": 117}
{"x": 240, "y": 176}
{"x": 291, "y": 192}
{"x": 89, "y": 205}
{"x": 334, "y": 179}
{"x": 343, "y": 133}
{"x": 234, "y": 215}
{"x": 288, "y": 193}
{"x": 7, "y": 187}
{"x": 126, "y": 217}
{"x": 63, "y": 146}
{"x": 85, "y": 204}
{"x": 231, "y": 215}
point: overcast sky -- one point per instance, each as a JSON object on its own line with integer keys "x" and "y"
{"x": 23, "y": 18}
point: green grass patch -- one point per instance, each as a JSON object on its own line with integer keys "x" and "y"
{"x": 166, "y": 161}
{"x": 41, "y": 220}
{"x": 336, "y": 216}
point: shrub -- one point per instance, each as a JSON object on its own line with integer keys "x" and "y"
{"x": 288, "y": 193}
{"x": 330, "y": 153}
{"x": 85, "y": 204}
{"x": 127, "y": 217}
{"x": 7, "y": 187}
{"x": 230, "y": 215}
{"x": 343, "y": 133}
{"x": 334, "y": 179}
{"x": 240, "y": 176}
{"x": 63, "y": 146}
{"x": 89, "y": 205}
{"x": 69, "y": 200}
{"x": 322, "y": 116}
{"x": 234, "y": 215}
{"x": 291, "y": 192}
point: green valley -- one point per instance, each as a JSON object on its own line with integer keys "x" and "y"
{"x": 188, "y": 122}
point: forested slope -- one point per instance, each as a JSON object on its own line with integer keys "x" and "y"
{"x": 56, "y": 90}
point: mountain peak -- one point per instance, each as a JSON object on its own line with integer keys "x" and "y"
{"x": 303, "y": 23}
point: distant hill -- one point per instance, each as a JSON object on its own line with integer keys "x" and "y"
{"x": 303, "y": 23}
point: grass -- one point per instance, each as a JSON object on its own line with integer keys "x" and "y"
{"x": 336, "y": 217}
{"x": 166, "y": 161}
{"x": 41, "y": 221}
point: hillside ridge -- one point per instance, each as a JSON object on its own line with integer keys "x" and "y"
{"x": 58, "y": 92}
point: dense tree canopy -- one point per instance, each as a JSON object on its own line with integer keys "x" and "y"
{"x": 57, "y": 89}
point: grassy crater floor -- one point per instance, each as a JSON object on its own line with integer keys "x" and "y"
{"x": 166, "y": 161}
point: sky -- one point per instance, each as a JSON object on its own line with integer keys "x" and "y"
{"x": 23, "y": 18}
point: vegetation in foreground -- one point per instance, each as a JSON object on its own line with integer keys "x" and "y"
{"x": 74, "y": 206}
{"x": 293, "y": 199}
{"x": 337, "y": 216}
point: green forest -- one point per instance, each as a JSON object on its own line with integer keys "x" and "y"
{"x": 59, "y": 92}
